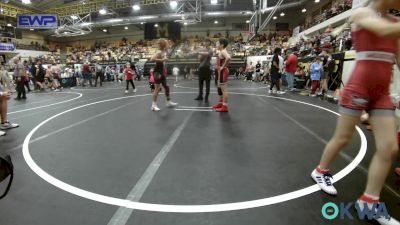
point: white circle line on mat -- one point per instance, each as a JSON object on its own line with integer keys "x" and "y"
{"x": 186, "y": 208}
{"x": 230, "y": 88}
{"x": 45, "y": 106}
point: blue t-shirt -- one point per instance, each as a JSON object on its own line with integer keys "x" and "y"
{"x": 316, "y": 71}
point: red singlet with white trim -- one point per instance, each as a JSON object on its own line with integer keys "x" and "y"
{"x": 368, "y": 86}
{"x": 222, "y": 78}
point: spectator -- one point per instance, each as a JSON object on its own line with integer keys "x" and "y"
{"x": 40, "y": 75}
{"x": 87, "y": 74}
{"x": 175, "y": 72}
{"x": 316, "y": 72}
{"x": 33, "y": 70}
{"x": 78, "y": 75}
{"x": 291, "y": 67}
{"x": 258, "y": 72}
{"x": 275, "y": 72}
{"x": 99, "y": 74}
{"x": 26, "y": 77}
{"x": 129, "y": 77}
{"x": 108, "y": 72}
{"x": 19, "y": 78}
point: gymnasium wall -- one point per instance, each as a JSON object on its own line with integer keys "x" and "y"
{"x": 31, "y": 36}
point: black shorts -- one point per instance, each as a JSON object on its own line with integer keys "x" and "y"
{"x": 204, "y": 73}
{"x": 159, "y": 78}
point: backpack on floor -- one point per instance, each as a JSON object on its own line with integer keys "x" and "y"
{"x": 6, "y": 170}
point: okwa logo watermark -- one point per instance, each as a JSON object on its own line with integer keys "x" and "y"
{"x": 331, "y": 211}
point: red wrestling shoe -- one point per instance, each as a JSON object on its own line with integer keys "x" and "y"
{"x": 224, "y": 108}
{"x": 217, "y": 106}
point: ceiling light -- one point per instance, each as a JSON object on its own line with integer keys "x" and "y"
{"x": 214, "y": 2}
{"x": 74, "y": 17}
{"x": 86, "y": 24}
{"x": 9, "y": 25}
{"x": 282, "y": 14}
{"x": 103, "y": 11}
{"x": 316, "y": 1}
{"x": 216, "y": 22}
{"x": 275, "y": 18}
{"x": 185, "y": 23}
{"x": 126, "y": 28}
{"x": 214, "y": 13}
{"x": 141, "y": 23}
{"x": 31, "y": 29}
{"x": 247, "y": 21}
{"x": 173, "y": 4}
{"x": 136, "y": 7}
{"x": 26, "y": 1}
{"x": 156, "y": 25}
{"x": 105, "y": 30}
{"x": 115, "y": 20}
{"x": 304, "y": 10}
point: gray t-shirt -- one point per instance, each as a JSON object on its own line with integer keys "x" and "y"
{"x": 206, "y": 61}
{"x": 19, "y": 70}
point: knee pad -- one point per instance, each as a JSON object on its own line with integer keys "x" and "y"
{"x": 220, "y": 91}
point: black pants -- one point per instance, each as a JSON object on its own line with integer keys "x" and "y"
{"x": 101, "y": 75}
{"x": 204, "y": 76}
{"x": 275, "y": 80}
{"x": 130, "y": 82}
{"x": 20, "y": 89}
{"x": 26, "y": 83}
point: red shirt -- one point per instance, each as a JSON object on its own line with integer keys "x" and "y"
{"x": 86, "y": 68}
{"x": 291, "y": 64}
{"x": 129, "y": 74}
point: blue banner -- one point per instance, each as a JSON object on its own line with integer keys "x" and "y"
{"x": 7, "y": 47}
{"x": 37, "y": 21}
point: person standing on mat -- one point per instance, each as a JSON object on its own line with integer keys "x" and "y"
{"x": 223, "y": 61}
{"x": 258, "y": 72}
{"x": 19, "y": 76}
{"x": 291, "y": 67}
{"x": 376, "y": 37}
{"x": 205, "y": 70}
{"x": 159, "y": 77}
{"x": 316, "y": 72}
{"x": 99, "y": 74}
{"x": 275, "y": 72}
{"x": 40, "y": 74}
{"x": 129, "y": 73}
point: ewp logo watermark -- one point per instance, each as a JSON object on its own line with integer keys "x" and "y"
{"x": 331, "y": 211}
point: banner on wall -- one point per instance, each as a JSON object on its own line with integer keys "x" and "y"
{"x": 7, "y": 47}
{"x": 37, "y": 21}
{"x": 358, "y": 3}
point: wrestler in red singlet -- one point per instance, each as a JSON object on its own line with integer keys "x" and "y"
{"x": 376, "y": 38}
{"x": 368, "y": 87}
{"x": 223, "y": 73}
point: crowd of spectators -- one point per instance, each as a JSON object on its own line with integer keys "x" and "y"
{"x": 335, "y": 8}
